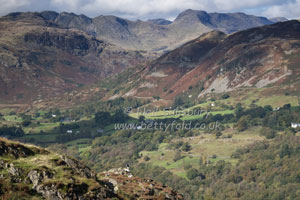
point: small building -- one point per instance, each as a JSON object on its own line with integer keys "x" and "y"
{"x": 69, "y": 131}
{"x": 295, "y": 125}
{"x": 53, "y": 115}
{"x": 213, "y": 104}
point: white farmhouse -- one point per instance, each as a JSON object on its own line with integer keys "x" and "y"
{"x": 295, "y": 125}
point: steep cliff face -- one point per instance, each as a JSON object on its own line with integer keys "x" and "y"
{"x": 40, "y": 60}
{"x": 29, "y": 172}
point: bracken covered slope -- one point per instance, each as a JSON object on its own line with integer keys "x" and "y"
{"x": 259, "y": 57}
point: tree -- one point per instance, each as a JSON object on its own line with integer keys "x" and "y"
{"x": 146, "y": 158}
{"x": 192, "y": 173}
{"x": 238, "y": 110}
{"x": 177, "y": 156}
{"x": 25, "y": 117}
{"x": 284, "y": 150}
{"x": 287, "y": 106}
{"x": 186, "y": 147}
{"x": 178, "y": 102}
{"x": 225, "y": 96}
{"x": 11, "y": 131}
{"x": 177, "y": 145}
{"x": 57, "y": 112}
{"x": 156, "y": 97}
{"x": 119, "y": 117}
{"x": 187, "y": 167}
{"x": 268, "y": 132}
{"x": 218, "y": 134}
{"x": 141, "y": 118}
{"x": 256, "y": 112}
{"x": 103, "y": 118}
{"x": 242, "y": 124}
{"x": 37, "y": 115}
{"x": 268, "y": 108}
{"x": 26, "y": 123}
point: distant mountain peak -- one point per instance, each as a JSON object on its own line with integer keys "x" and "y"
{"x": 278, "y": 19}
{"x": 225, "y": 22}
{"x": 160, "y": 21}
{"x": 189, "y": 13}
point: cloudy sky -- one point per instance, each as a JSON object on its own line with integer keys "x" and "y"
{"x": 148, "y": 9}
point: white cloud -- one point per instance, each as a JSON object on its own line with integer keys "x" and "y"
{"x": 12, "y": 5}
{"x": 290, "y": 10}
{"x": 144, "y": 9}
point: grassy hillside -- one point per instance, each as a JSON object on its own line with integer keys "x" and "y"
{"x": 30, "y": 172}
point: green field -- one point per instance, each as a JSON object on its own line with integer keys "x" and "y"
{"x": 46, "y": 127}
{"x": 203, "y": 146}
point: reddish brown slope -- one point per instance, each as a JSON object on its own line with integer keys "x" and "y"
{"x": 160, "y": 76}
{"x": 257, "y": 57}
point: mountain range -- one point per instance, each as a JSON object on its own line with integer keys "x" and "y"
{"x": 65, "y": 80}
{"x": 46, "y": 55}
{"x": 157, "y": 34}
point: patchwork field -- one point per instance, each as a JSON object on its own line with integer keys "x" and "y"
{"x": 217, "y": 105}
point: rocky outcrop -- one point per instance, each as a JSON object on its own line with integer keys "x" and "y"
{"x": 77, "y": 44}
{"x": 32, "y": 169}
{"x": 16, "y": 150}
{"x": 33, "y": 172}
{"x": 129, "y": 187}
{"x": 78, "y": 167}
{"x": 37, "y": 176}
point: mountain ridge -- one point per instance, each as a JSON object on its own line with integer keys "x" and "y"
{"x": 158, "y": 34}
